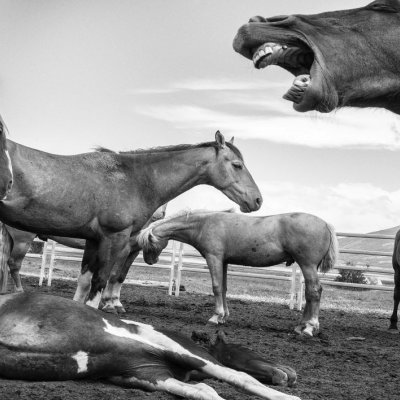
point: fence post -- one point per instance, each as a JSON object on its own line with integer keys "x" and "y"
{"x": 5, "y": 249}
{"x": 51, "y": 266}
{"x": 172, "y": 270}
{"x": 43, "y": 266}
{"x": 293, "y": 287}
{"x": 179, "y": 271}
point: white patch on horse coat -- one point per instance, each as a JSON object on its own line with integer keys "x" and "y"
{"x": 82, "y": 359}
{"x": 128, "y": 321}
{"x": 147, "y": 335}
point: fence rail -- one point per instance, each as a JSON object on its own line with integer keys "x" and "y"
{"x": 179, "y": 258}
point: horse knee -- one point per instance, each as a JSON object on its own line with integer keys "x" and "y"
{"x": 217, "y": 290}
{"x": 313, "y": 290}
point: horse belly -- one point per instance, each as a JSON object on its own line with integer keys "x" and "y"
{"x": 256, "y": 255}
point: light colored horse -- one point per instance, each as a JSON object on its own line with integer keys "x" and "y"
{"x": 106, "y": 197}
{"x": 224, "y": 238}
{"x": 6, "y": 172}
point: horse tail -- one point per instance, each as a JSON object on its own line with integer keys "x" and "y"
{"x": 331, "y": 255}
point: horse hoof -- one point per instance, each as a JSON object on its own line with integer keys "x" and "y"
{"x": 120, "y": 310}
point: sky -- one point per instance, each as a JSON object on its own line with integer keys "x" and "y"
{"x": 132, "y": 74}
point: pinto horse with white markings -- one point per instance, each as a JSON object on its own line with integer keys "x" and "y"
{"x": 22, "y": 240}
{"x": 105, "y": 197}
{"x": 6, "y": 172}
{"x": 228, "y": 237}
{"x": 45, "y": 338}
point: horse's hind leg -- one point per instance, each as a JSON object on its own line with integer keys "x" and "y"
{"x": 111, "y": 294}
{"x": 309, "y": 323}
{"x": 215, "y": 266}
{"x": 18, "y": 252}
{"x": 224, "y": 290}
{"x": 396, "y": 295}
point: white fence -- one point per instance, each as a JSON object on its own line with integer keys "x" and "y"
{"x": 179, "y": 258}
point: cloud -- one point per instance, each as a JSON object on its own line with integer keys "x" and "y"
{"x": 350, "y": 207}
{"x": 347, "y": 128}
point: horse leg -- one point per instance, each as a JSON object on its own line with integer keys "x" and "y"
{"x": 18, "y": 252}
{"x": 112, "y": 252}
{"x": 309, "y": 323}
{"x": 224, "y": 290}
{"x": 215, "y": 266}
{"x": 396, "y": 296}
{"x": 88, "y": 262}
{"x": 112, "y": 292}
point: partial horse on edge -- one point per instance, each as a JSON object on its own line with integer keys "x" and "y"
{"x": 6, "y": 172}
{"x": 396, "y": 293}
{"x": 106, "y": 197}
{"x": 227, "y": 237}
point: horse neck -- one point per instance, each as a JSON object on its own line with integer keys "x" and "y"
{"x": 173, "y": 173}
{"x": 182, "y": 229}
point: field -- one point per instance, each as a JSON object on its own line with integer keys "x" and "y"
{"x": 330, "y": 366}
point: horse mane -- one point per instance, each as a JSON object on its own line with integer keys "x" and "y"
{"x": 172, "y": 148}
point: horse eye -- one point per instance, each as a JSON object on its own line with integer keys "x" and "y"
{"x": 237, "y": 165}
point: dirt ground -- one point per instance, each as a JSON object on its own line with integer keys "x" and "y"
{"x": 329, "y": 367}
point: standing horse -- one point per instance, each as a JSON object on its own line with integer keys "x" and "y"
{"x": 396, "y": 267}
{"x": 105, "y": 197}
{"x": 6, "y": 172}
{"x": 44, "y": 338}
{"x": 227, "y": 237}
{"x": 22, "y": 240}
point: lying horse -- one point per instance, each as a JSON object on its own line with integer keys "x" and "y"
{"x": 22, "y": 240}
{"x": 226, "y": 237}
{"x": 46, "y": 337}
{"x": 241, "y": 358}
{"x": 396, "y": 267}
{"x": 105, "y": 197}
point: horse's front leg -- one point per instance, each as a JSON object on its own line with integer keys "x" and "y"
{"x": 112, "y": 252}
{"x": 17, "y": 255}
{"x": 309, "y": 324}
{"x": 215, "y": 266}
{"x": 111, "y": 295}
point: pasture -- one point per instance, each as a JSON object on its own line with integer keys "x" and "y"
{"x": 329, "y": 366}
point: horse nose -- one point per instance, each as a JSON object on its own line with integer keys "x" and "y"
{"x": 257, "y": 18}
{"x": 278, "y": 18}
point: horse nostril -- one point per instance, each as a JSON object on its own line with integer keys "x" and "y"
{"x": 257, "y": 18}
{"x": 9, "y": 186}
{"x": 259, "y": 201}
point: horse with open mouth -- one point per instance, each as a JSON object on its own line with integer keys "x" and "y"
{"x": 339, "y": 58}
{"x": 45, "y": 338}
{"x": 228, "y": 237}
{"x": 6, "y": 171}
{"x": 106, "y": 197}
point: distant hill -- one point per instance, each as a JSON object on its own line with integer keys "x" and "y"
{"x": 385, "y": 245}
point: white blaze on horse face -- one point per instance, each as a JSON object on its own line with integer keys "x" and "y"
{"x": 82, "y": 360}
{"x": 9, "y": 162}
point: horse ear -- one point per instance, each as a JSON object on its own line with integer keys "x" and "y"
{"x": 219, "y": 138}
{"x": 232, "y": 139}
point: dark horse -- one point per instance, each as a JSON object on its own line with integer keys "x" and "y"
{"x": 44, "y": 338}
{"x": 228, "y": 237}
{"x": 340, "y": 58}
{"x": 22, "y": 240}
{"x": 396, "y": 267}
{"x": 105, "y": 197}
{"x": 6, "y": 171}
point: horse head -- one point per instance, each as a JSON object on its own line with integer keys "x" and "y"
{"x": 151, "y": 245}
{"x": 340, "y": 58}
{"x": 229, "y": 174}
